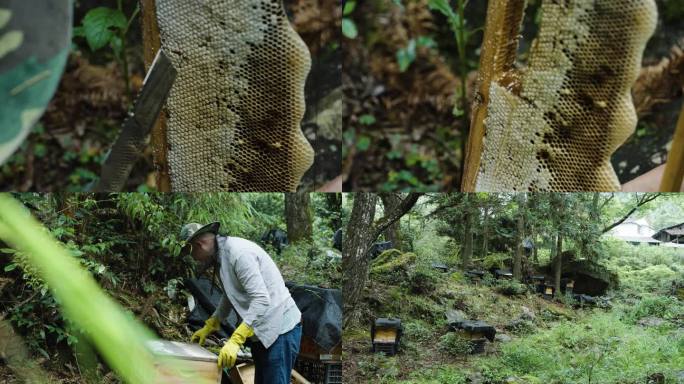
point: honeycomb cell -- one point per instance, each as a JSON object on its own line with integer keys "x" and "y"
{"x": 235, "y": 110}
{"x": 574, "y": 107}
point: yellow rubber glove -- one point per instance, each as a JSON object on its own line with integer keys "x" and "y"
{"x": 210, "y": 326}
{"x": 229, "y": 352}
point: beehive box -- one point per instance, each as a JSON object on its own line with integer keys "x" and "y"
{"x": 242, "y": 374}
{"x": 386, "y": 335}
{"x": 181, "y": 363}
{"x": 548, "y": 291}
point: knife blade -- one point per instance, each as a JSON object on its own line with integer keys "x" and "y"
{"x": 131, "y": 142}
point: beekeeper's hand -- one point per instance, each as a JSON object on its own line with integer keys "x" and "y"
{"x": 229, "y": 352}
{"x": 210, "y": 326}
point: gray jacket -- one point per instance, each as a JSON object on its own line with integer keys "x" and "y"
{"x": 254, "y": 287}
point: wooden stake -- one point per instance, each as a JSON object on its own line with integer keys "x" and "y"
{"x": 152, "y": 44}
{"x": 499, "y": 51}
{"x": 674, "y": 171}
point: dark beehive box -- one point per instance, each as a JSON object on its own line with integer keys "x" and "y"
{"x": 386, "y": 335}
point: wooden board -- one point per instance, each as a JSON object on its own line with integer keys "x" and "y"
{"x": 242, "y": 374}
{"x": 183, "y": 363}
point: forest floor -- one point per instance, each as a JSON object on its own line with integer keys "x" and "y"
{"x": 401, "y": 79}
{"x": 538, "y": 340}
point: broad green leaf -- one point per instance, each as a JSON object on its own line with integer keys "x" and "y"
{"x": 406, "y": 56}
{"x": 363, "y": 144}
{"x": 349, "y": 7}
{"x": 349, "y": 28}
{"x": 367, "y": 119}
{"x": 100, "y": 25}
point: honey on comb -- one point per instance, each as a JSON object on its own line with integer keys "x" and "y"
{"x": 235, "y": 110}
{"x": 575, "y": 94}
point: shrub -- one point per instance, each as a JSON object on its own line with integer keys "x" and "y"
{"x": 455, "y": 345}
{"x": 442, "y": 375}
{"x": 422, "y": 281}
{"x": 495, "y": 260}
{"x": 378, "y": 366}
{"x": 658, "y": 306}
{"x": 601, "y": 346}
{"x": 510, "y": 288}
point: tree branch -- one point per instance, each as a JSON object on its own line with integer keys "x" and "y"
{"x": 644, "y": 199}
{"x": 396, "y": 214}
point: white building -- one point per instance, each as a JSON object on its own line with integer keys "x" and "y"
{"x": 635, "y": 232}
{"x": 639, "y": 231}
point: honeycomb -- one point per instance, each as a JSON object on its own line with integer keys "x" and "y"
{"x": 555, "y": 127}
{"x": 235, "y": 110}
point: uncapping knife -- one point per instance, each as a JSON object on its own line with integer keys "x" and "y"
{"x": 131, "y": 142}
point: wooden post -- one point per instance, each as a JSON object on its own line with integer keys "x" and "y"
{"x": 151, "y": 44}
{"x": 674, "y": 170}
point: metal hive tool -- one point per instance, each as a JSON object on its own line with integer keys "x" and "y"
{"x": 131, "y": 142}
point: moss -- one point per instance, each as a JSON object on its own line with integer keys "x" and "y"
{"x": 392, "y": 260}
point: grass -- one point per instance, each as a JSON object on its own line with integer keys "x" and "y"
{"x": 600, "y": 348}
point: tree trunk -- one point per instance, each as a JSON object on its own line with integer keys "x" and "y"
{"x": 485, "y": 231}
{"x": 359, "y": 236}
{"x": 517, "y": 259}
{"x": 355, "y": 263}
{"x": 333, "y": 204}
{"x": 559, "y": 264}
{"x": 390, "y": 202}
{"x": 298, "y": 217}
{"x": 467, "y": 251}
{"x": 535, "y": 256}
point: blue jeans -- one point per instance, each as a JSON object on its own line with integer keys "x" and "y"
{"x": 273, "y": 365}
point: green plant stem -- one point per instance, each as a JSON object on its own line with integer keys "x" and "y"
{"x": 124, "y": 46}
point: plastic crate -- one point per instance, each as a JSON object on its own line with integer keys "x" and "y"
{"x": 320, "y": 372}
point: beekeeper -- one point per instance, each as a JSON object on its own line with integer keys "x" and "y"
{"x": 254, "y": 287}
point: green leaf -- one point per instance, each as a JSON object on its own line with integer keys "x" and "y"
{"x": 367, "y": 119}
{"x": 349, "y": 28}
{"x": 10, "y": 267}
{"x": 100, "y": 24}
{"x": 363, "y": 144}
{"x": 117, "y": 46}
{"x": 349, "y": 7}
{"x": 78, "y": 31}
{"x": 44, "y": 353}
{"x": 426, "y": 41}
{"x": 39, "y": 150}
{"x": 406, "y": 56}
{"x": 394, "y": 155}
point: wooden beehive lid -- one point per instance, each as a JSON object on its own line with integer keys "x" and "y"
{"x": 180, "y": 350}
